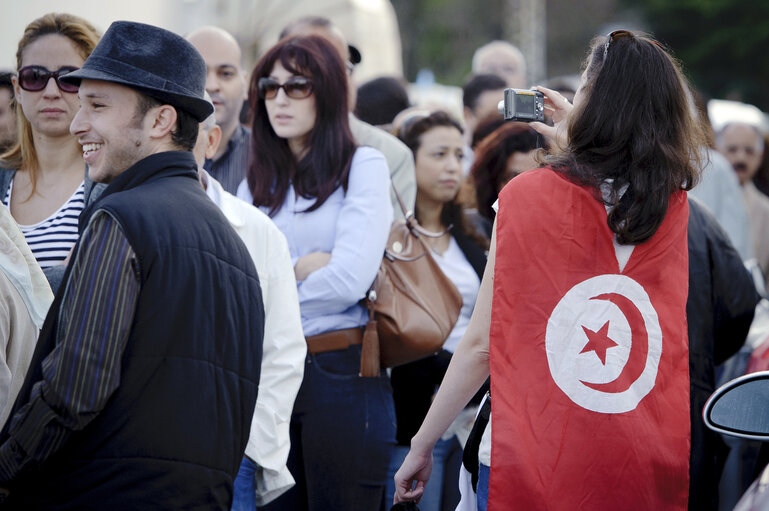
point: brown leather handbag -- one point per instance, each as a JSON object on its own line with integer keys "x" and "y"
{"x": 412, "y": 304}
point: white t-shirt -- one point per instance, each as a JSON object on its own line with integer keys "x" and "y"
{"x": 458, "y": 269}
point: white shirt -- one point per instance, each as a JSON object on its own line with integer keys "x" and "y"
{"x": 284, "y": 348}
{"x": 458, "y": 269}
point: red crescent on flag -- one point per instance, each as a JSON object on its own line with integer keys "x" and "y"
{"x": 639, "y": 346}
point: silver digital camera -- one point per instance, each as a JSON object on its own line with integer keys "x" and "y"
{"x": 523, "y": 105}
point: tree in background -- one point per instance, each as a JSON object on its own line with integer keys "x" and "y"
{"x": 443, "y": 34}
{"x": 722, "y": 43}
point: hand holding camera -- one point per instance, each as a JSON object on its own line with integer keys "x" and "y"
{"x": 558, "y": 109}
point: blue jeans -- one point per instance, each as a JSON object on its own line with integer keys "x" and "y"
{"x": 243, "y": 498}
{"x": 342, "y": 436}
{"x": 483, "y": 487}
{"x": 444, "y": 475}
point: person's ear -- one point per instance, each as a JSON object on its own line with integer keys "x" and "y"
{"x": 163, "y": 121}
{"x": 212, "y": 143}
{"x": 16, "y": 88}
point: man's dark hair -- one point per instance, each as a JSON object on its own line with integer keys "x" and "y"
{"x": 477, "y": 85}
{"x": 5, "y": 80}
{"x": 380, "y": 100}
{"x": 186, "y": 133}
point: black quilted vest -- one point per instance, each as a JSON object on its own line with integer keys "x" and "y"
{"x": 173, "y": 434}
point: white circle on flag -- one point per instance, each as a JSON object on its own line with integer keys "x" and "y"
{"x": 593, "y": 373}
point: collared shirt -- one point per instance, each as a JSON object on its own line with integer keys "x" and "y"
{"x": 230, "y": 168}
{"x": 284, "y": 348}
{"x": 83, "y": 370}
{"x": 353, "y": 227}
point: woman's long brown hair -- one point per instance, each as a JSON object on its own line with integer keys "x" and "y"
{"x": 635, "y": 126}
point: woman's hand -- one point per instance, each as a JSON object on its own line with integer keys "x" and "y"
{"x": 558, "y": 108}
{"x": 309, "y": 263}
{"x": 416, "y": 468}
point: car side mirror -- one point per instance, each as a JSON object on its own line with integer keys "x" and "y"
{"x": 740, "y": 407}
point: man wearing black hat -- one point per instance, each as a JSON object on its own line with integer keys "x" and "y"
{"x": 144, "y": 380}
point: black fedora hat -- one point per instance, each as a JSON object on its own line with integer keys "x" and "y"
{"x": 152, "y": 60}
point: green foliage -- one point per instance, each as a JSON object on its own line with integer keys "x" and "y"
{"x": 723, "y": 44}
{"x": 443, "y": 34}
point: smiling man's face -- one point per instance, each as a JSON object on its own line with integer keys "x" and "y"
{"x": 110, "y": 128}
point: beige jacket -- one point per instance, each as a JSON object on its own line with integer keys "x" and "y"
{"x": 399, "y": 160}
{"x": 25, "y": 297}
{"x": 758, "y": 215}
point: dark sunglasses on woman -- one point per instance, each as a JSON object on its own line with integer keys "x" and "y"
{"x": 35, "y": 78}
{"x": 296, "y": 87}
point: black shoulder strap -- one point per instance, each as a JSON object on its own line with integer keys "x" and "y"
{"x": 470, "y": 454}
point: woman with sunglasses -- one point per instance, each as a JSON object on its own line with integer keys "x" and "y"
{"x": 331, "y": 201}
{"x": 42, "y": 177}
{"x": 581, "y": 315}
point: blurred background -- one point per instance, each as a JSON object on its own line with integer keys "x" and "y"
{"x": 722, "y": 43}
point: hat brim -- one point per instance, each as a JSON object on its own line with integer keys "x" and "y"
{"x": 199, "y": 108}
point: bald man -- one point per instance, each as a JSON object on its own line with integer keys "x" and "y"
{"x": 743, "y": 146}
{"x": 399, "y": 157}
{"x": 226, "y": 84}
{"x": 502, "y": 59}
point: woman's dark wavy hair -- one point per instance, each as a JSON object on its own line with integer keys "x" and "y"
{"x": 635, "y": 126}
{"x": 452, "y": 212}
{"x": 491, "y": 157}
{"x": 330, "y": 145}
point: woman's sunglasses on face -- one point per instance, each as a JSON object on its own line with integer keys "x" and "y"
{"x": 35, "y": 78}
{"x": 296, "y": 87}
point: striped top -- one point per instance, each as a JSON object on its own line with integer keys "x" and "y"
{"x": 52, "y": 239}
{"x": 83, "y": 371}
{"x": 230, "y": 168}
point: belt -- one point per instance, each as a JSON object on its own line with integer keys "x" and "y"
{"x": 334, "y": 340}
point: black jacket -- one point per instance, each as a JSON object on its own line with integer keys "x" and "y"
{"x": 173, "y": 434}
{"x": 719, "y": 310}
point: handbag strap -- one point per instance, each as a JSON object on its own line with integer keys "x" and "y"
{"x": 411, "y": 219}
{"x": 406, "y": 213}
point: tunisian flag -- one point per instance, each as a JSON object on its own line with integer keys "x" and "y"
{"x": 589, "y": 355}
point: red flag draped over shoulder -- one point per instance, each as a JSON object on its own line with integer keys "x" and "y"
{"x": 589, "y": 362}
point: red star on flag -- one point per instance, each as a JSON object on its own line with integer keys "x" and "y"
{"x": 598, "y": 341}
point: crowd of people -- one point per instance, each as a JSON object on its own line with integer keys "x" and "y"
{"x": 186, "y": 246}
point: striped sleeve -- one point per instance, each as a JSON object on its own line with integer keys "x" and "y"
{"x": 83, "y": 370}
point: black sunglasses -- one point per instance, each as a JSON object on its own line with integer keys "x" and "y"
{"x": 35, "y": 78}
{"x": 615, "y": 35}
{"x": 296, "y": 87}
